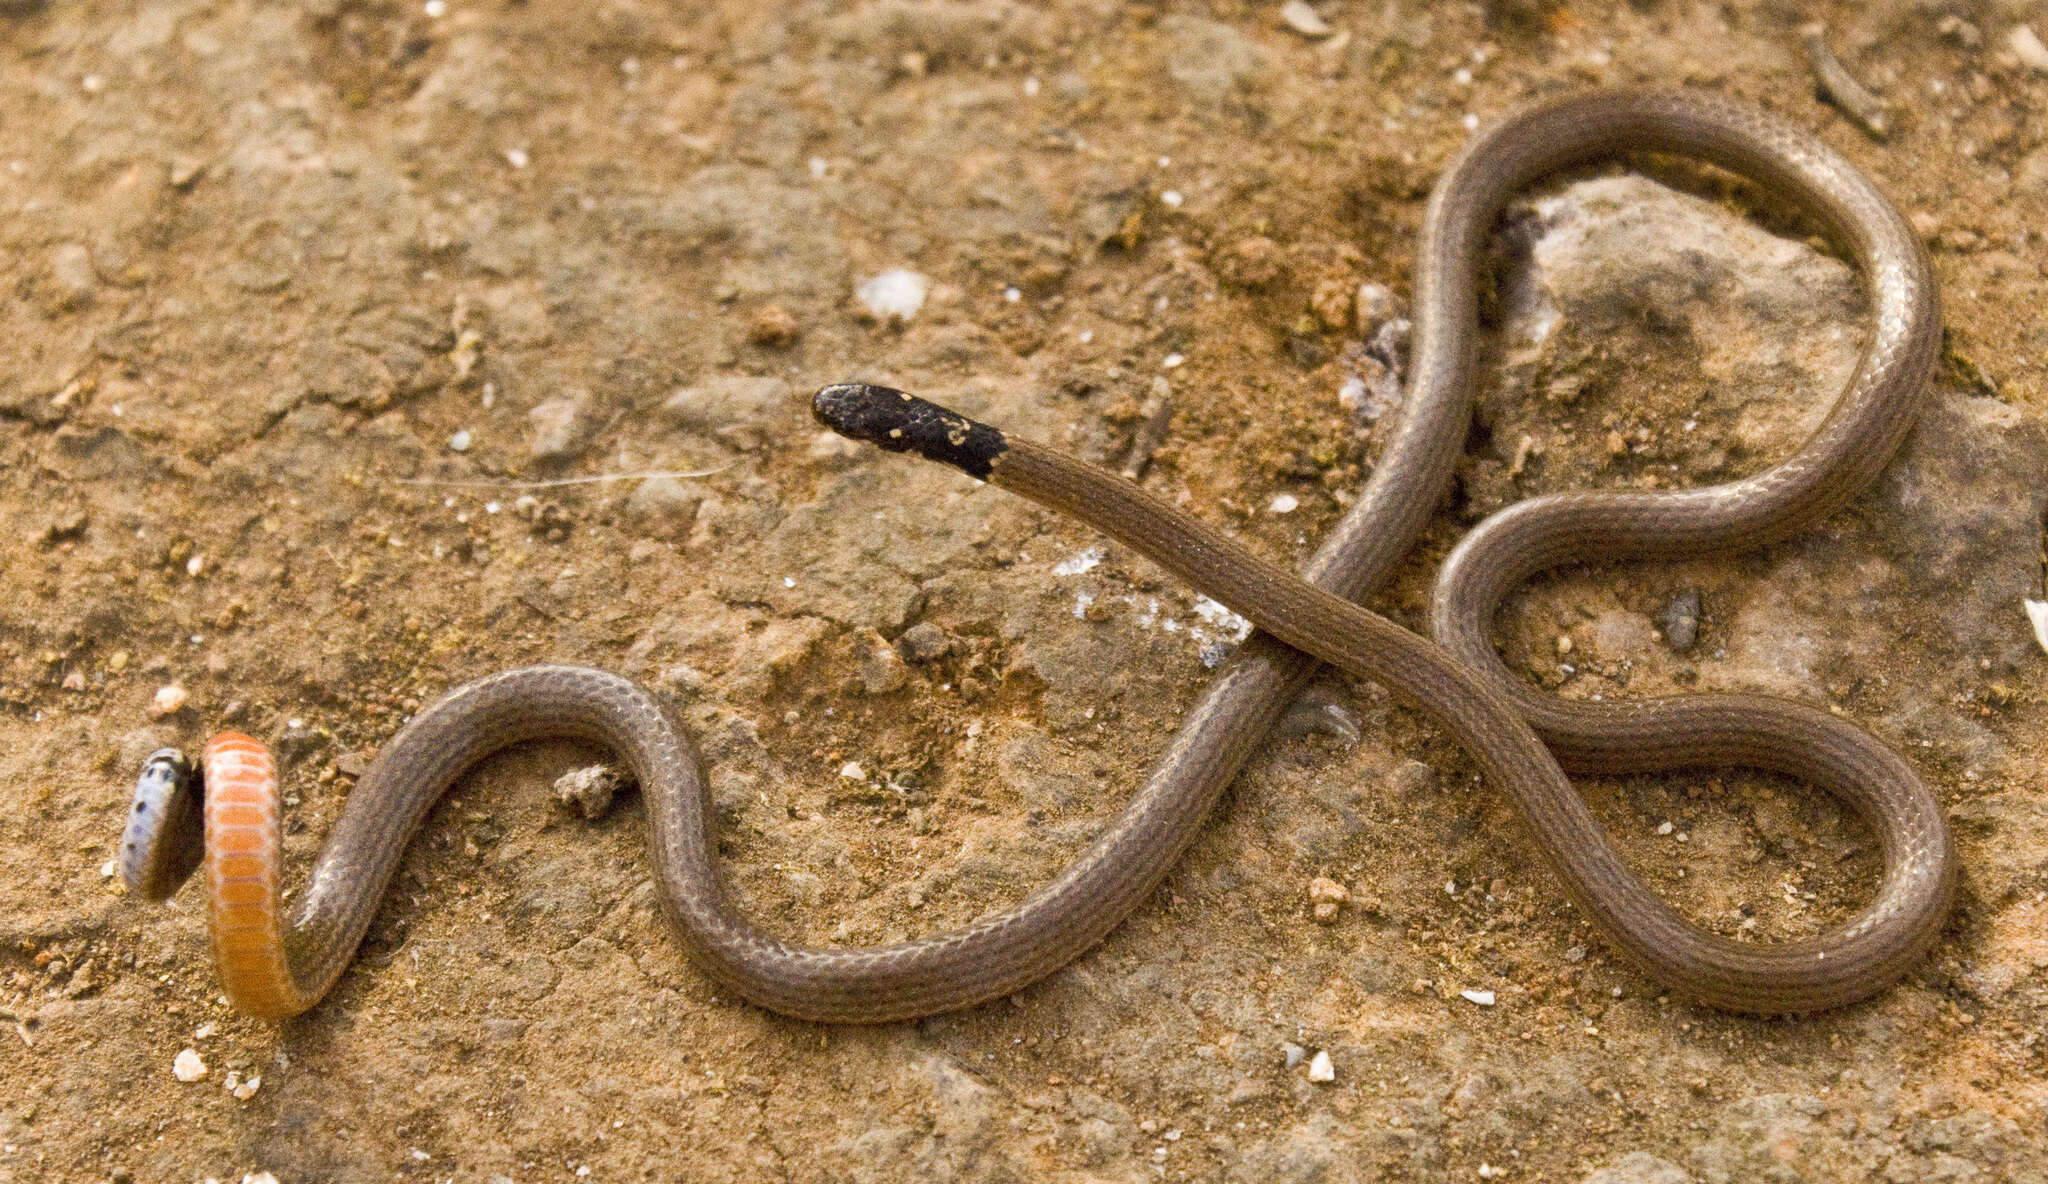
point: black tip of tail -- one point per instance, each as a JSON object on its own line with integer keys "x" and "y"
{"x": 902, "y": 422}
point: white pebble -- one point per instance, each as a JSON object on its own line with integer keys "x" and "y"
{"x": 188, "y": 1067}
{"x": 1172, "y": 198}
{"x": 1285, "y": 503}
{"x": 1219, "y": 615}
{"x": 517, "y": 158}
{"x": 2027, "y": 47}
{"x": 435, "y": 8}
{"x": 1171, "y": 361}
{"x": 168, "y": 699}
{"x": 1013, "y": 295}
{"x": 1664, "y": 828}
{"x": 1320, "y": 1068}
{"x": 107, "y": 870}
{"x": 1074, "y": 566}
{"x": 1482, "y": 998}
{"x": 852, "y": 771}
{"x": 896, "y": 293}
{"x": 1304, "y": 19}
{"x": 460, "y": 441}
{"x": 2037, "y": 612}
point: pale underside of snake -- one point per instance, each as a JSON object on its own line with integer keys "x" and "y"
{"x": 1522, "y": 740}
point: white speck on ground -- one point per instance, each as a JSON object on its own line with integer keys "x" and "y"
{"x": 896, "y": 294}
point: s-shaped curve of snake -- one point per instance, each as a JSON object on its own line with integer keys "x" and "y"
{"x": 276, "y": 968}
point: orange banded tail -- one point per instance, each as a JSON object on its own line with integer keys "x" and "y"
{"x": 244, "y": 850}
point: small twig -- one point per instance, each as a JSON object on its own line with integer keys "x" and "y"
{"x": 556, "y": 482}
{"x": 1151, "y": 431}
{"x": 1840, "y": 87}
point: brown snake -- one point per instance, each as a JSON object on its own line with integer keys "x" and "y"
{"x": 1463, "y": 685}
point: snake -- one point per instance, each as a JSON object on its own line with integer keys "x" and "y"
{"x": 277, "y": 961}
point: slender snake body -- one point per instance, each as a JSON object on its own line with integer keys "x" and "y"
{"x": 1517, "y": 736}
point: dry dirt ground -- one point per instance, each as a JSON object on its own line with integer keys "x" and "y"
{"x": 270, "y": 266}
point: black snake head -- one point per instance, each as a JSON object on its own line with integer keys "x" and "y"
{"x": 902, "y": 422}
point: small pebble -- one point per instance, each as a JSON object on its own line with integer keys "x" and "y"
{"x": 188, "y": 1067}
{"x": 2026, "y": 46}
{"x": 772, "y": 325}
{"x": 561, "y": 426}
{"x": 168, "y": 700}
{"x": 1302, "y": 17}
{"x": 1375, "y": 305}
{"x": 881, "y": 667}
{"x": 896, "y": 294}
{"x": 924, "y": 642}
{"x": 2037, "y": 613}
{"x": 588, "y": 791}
{"x": 1482, "y": 998}
{"x": 852, "y": 771}
{"x": 1294, "y": 1053}
{"x": 1074, "y": 565}
{"x": 1326, "y": 896}
{"x": 1682, "y": 620}
{"x": 1320, "y": 1069}
{"x": 247, "y": 1089}
{"x": 460, "y": 441}
{"x": 1285, "y": 503}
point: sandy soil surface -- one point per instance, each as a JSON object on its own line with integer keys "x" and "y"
{"x": 300, "y": 294}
